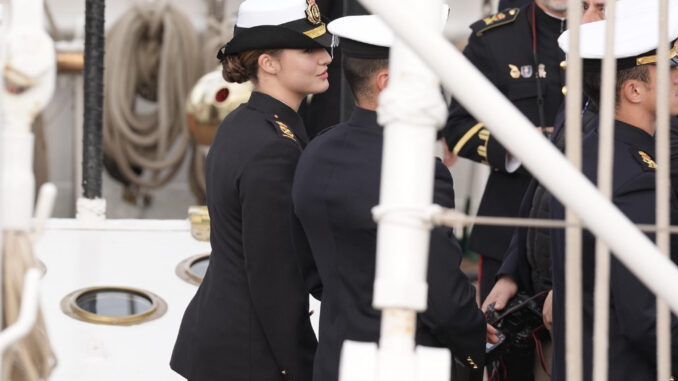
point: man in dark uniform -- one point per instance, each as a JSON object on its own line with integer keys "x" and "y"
{"x": 632, "y": 324}
{"x": 517, "y": 51}
{"x": 336, "y": 185}
{"x": 527, "y": 261}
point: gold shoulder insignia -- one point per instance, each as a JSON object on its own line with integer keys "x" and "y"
{"x": 647, "y": 160}
{"x": 286, "y": 132}
{"x": 504, "y": 17}
{"x": 471, "y": 362}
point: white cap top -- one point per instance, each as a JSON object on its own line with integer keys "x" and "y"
{"x": 370, "y": 29}
{"x": 270, "y": 12}
{"x": 366, "y": 29}
{"x": 635, "y": 30}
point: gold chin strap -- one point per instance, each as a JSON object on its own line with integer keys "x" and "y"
{"x": 653, "y": 58}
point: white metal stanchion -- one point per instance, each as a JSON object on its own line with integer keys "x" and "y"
{"x": 662, "y": 208}
{"x": 410, "y": 109}
{"x": 605, "y": 170}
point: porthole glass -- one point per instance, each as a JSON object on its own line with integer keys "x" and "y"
{"x": 199, "y": 266}
{"x": 193, "y": 269}
{"x": 113, "y": 305}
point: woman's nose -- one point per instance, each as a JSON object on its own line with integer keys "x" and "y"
{"x": 325, "y": 58}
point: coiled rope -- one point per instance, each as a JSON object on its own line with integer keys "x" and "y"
{"x": 152, "y": 51}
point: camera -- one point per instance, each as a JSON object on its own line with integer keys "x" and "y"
{"x": 520, "y": 323}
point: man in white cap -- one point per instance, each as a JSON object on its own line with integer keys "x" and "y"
{"x": 632, "y": 330}
{"x": 336, "y": 184}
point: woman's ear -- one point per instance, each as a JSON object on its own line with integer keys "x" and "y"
{"x": 269, "y": 64}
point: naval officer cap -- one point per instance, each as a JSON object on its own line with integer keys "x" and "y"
{"x": 367, "y": 36}
{"x": 277, "y": 24}
{"x": 362, "y": 36}
{"x": 636, "y": 35}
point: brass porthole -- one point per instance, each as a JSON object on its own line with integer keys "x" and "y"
{"x": 193, "y": 269}
{"x": 113, "y": 305}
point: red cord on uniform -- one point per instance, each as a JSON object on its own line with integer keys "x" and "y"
{"x": 540, "y": 351}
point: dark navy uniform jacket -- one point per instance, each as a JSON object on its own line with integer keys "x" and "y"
{"x": 501, "y": 47}
{"x": 336, "y": 185}
{"x": 249, "y": 319}
{"x": 632, "y": 353}
{"x": 532, "y": 271}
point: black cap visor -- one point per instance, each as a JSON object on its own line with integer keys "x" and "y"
{"x": 357, "y": 49}
{"x": 298, "y": 34}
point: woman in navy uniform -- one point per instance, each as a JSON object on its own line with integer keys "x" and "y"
{"x": 249, "y": 319}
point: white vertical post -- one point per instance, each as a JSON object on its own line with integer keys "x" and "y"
{"x": 662, "y": 135}
{"x": 573, "y": 235}
{"x": 410, "y": 109}
{"x": 605, "y": 170}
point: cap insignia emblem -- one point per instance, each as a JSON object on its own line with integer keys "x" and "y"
{"x": 647, "y": 160}
{"x": 313, "y": 12}
{"x": 286, "y": 132}
{"x": 514, "y": 73}
{"x": 526, "y": 71}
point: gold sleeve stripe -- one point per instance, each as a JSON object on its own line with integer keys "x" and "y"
{"x": 467, "y": 136}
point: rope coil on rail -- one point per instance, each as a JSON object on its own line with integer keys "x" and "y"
{"x": 153, "y": 52}
{"x": 417, "y": 105}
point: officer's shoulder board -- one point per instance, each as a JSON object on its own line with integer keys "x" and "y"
{"x": 646, "y": 161}
{"x": 282, "y": 129}
{"x": 505, "y": 17}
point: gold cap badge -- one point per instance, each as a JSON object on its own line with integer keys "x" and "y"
{"x": 313, "y": 12}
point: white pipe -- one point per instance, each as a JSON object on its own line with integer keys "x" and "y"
{"x": 18, "y": 181}
{"x": 411, "y": 109}
{"x": 28, "y": 311}
{"x": 662, "y": 138}
{"x": 542, "y": 159}
{"x": 573, "y": 236}
{"x": 605, "y": 169}
{"x": 44, "y": 208}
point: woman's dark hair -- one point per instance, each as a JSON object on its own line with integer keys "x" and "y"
{"x": 242, "y": 67}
